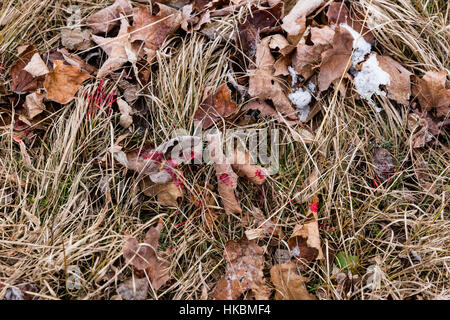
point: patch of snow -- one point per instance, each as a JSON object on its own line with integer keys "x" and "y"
{"x": 311, "y": 86}
{"x": 369, "y": 79}
{"x": 361, "y": 46}
{"x": 295, "y": 252}
{"x": 294, "y": 75}
{"x": 301, "y": 99}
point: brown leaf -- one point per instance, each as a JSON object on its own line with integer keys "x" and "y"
{"x": 153, "y": 29}
{"x": 243, "y": 272}
{"x": 279, "y": 43}
{"x": 245, "y": 167}
{"x": 36, "y": 67}
{"x": 226, "y": 178}
{"x": 293, "y": 23}
{"x": 264, "y": 85}
{"x": 421, "y": 130}
{"x": 306, "y": 59}
{"x": 304, "y": 242}
{"x": 134, "y": 289}
{"x": 399, "y": 88}
{"x": 146, "y": 257}
{"x": 337, "y": 60}
{"x": 33, "y": 104}
{"x": 432, "y": 93}
{"x": 215, "y": 106}
{"x": 383, "y": 164}
{"x": 107, "y": 18}
{"x": 268, "y": 227}
{"x": 266, "y": 110}
{"x": 166, "y": 193}
{"x": 63, "y": 82}
{"x": 118, "y": 49}
{"x": 75, "y": 38}
{"x": 23, "y": 81}
{"x": 126, "y": 120}
{"x": 288, "y": 283}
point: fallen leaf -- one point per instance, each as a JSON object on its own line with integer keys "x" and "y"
{"x": 294, "y": 22}
{"x": 63, "y": 82}
{"x": 36, "y": 67}
{"x": 216, "y": 106}
{"x": 245, "y": 166}
{"x": 399, "y": 87}
{"x": 226, "y": 178}
{"x": 266, "y": 110}
{"x": 383, "y": 164}
{"x": 107, "y": 18}
{"x": 432, "y": 93}
{"x": 118, "y": 49}
{"x": 23, "y": 81}
{"x": 34, "y": 105}
{"x": 153, "y": 29}
{"x": 166, "y": 193}
{"x": 281, "y": 66}
{"x": 75, "y": 38}
{"x": 279, "y": 43}
{"x": 306, "y": 59}
{"x": 337, "y": 60}
{"x": 304, "y": 242}
{"x": 267, "y": 226}
{"x": 243, "y": 271}
{"x": 264, "y": 85}
{"x": 134, "y": 289}
{"x": 126, "y": 120}
{"x": 145, "y": 256}
{"x": 289, "y": 284}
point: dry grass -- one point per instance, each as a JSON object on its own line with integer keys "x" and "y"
{"x": 70, "y": 208}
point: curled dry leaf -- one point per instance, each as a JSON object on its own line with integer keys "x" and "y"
{"x": 304, "y": 242}
{"x": 153, "y": 29}
{"x": 244, "y": 165}
{"x": 279, "y": 43}
{"x": 166, "y": 193}
{"x": 337, "y": 60}
{"x": 215, "y": 106}
{"x": 294, "y": 22}
{"x": 145, "y": 256}
{"x": 126, "y": 120}
{"x": 63, "y": 82}
{"x": 422, "y": 130}
{"x": 226, "y": 178}
{"x": 21, "y": 80}
{"x": 399, "y": 87}
{"x": 118, "y": 49}
{"x": 264, "y": 85}
{"x": 243, "y": 271}
{"x": 34, "y": 105}
{"x": 134, "y": 289}
{"x": 432, "y": 93}
{"x": 289, "y": 284}
{"x": 107, "y": 18}
{"x": 383, "y": 164}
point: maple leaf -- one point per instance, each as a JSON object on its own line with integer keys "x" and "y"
{"x": 63, "y": 82}
{"x": 118, "y": 49}
{"x": 432, "y": 93}
{"x": 153, "y": 29}
{"x": 264, "y": 85}
{"x": 243, "y": 272}
{"x": 147, "y": 257}
{"x": 215, "y": 106}
{"x": 107, "y": 18}
{"x": 289, "y": 284}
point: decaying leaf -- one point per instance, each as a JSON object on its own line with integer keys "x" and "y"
{"x": 63, "y": 82}
{"x": 107, "y": 18}
{"x": 399, "y": 87}
{"x": 279, "y": 43}
{"x": 337, "y": 60}
{"x": 423, "y": 129}
{"x": 264, "y": 85}
{"x": 215, "y": 106}
{"x": 134, "y": 289}
{"x": 118, "y": 49}
{"x": 166, "y": 193}
{"x": 383, "y": 164}
{"x": 75, "y": 38}
{"x": 22, "y": 80}
{"x": 33, "y": 104}
{"x": 289, "y": 284}
{"x": 36, "y": 67}
{"x": 432, "y": 93}
{"x": 304, "y": 242}
{"x": 226, "y": 178}
{"x": 145, "y": 256}
{"x": 153, "y": 29}
{"x": 245, "y": 166}
{"x": 243, "y": 271}
{"x": 126, "y": 120}
{"x": 294, "y": 22}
